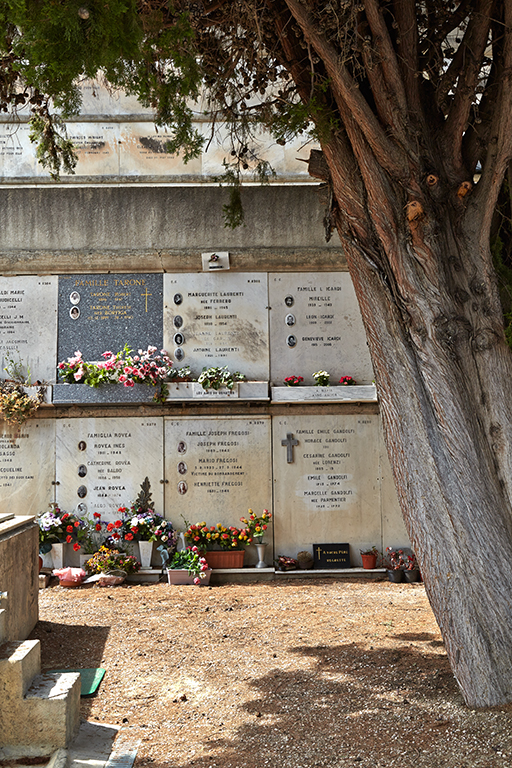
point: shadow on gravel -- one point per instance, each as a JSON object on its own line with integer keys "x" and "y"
{"x": 70, "y": 646}
{"x": 355, "y": 706}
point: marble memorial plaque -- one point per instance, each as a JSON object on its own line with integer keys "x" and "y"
{"x": 223, "y": 320}
{"x": 28, "y": 324}
{"x": 315, "y": 324}
{"x": 102, "y": 462}
{"x": 326, "y": 480}
{"x": 99, "y": 313}
{"x": 143, "y": 152}
{"x": 97, "y": 148}
{"x": 27, "y": 467}
{"x": 216, "y": 468}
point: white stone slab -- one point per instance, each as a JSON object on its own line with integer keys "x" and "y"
{"x": 97, "y": 148}
{"x": 216, "y": 468}
{"x": 143, "y": 152}
{"x": 17, "y": 153}
{"x": 243, "y": 390}
{"x": 109, "y": 459}
{"x": 27, "y": 466}
{"x": 330, "y": 492}
{"x": 220, "y": 319}
{"x": 339, "y": 394}
{"x": 28, "y": 324}
{"x": 315, "y": 324}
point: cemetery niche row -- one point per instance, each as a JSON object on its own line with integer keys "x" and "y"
{"x": 283, "y": 333}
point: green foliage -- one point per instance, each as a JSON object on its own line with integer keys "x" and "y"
{"x": 216, "y": 378}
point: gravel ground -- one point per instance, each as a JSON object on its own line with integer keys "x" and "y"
{"x": 284, "y": 674}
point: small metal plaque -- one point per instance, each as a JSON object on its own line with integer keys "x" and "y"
{"x": 331, "y": 555}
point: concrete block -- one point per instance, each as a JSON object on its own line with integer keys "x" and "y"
{"x": 19, "y": 663}
{"x": 50, "y": 711}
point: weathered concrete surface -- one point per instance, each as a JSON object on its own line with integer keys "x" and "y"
{"x": 133, "y": 218}
{"x": 19, "y": 571}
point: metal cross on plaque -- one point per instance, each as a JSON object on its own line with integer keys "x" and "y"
{"x": 290, "y": 442}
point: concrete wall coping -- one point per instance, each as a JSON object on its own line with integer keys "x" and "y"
{"x": 17, "y": 521}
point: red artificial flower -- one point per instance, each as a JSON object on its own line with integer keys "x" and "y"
{"x": 135, "y": 529}
{"x": 65, "y": 515}
{"x": 116, "y": 536}
{"x": 98, "y": 526}
{"x": 96, "y": 514}
{"x": 129, "y": 536}
{"x": 110, "y": 527}
{"x": 118, "y": 524}
{"x": 76, "y": 546}
{"x": 77, "y": 524}
{"x": 70, "y": 529}
{"x": 69, "y": 539}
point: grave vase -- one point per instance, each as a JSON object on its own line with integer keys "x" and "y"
{"x": 146, "y": 552}
{"x": 58, "y": 555}
{"x": 260, "y": 548}
{"x": 83, "y": 560}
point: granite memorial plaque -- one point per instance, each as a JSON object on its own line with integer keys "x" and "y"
{"x": 223, "y": 320}
{"x": 326, "y": 480}
{"x": 28, "y": 324}
{"x": 331, "y": 555}
{"x": 102, "y": 462}
{"x": 27, "y": 466}
{"x": 216, "y": 468}
{"x": 315, "y": 324}
{"x": 99, "y": 313}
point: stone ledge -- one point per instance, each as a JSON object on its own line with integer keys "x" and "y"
{"x": 366, "y": 393}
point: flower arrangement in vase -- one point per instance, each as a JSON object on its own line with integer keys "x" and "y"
{"x": 257, "y": 524}
{"x": 141, "y": 523}
{"x": 347, "y": 381}
{"x": 293, "y": 381}
{"x": 217, "y": 378}
{"x": 224, "y": 547}
{"x": 57, "y": 526}
{"x": 321, "y": 378}
{"x": 107, "y": 559}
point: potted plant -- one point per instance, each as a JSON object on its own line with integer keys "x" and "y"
{"x": 369, "y": 557}
{"x": 223, "y": 547}
{"x": 219, "y": 378}
{"x": 395, "y": 564}
{"x": 411, "y": 568}
{"x": 347, "y": 381}
{"x": 293, "y": 381}
{"x": 187, "y": 567}
{"x": 321, "y": 378}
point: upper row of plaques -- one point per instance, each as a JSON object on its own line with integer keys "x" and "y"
{"x": 267, "y": 326}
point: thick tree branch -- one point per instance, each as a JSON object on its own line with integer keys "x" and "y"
{"x": 349, "y": 97}
{"x": 473, "y": 44}
{"x": 405, "y": 15}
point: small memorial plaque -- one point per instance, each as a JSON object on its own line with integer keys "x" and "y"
{"x": 331, "y": 555}
{"x": 27, "y": 467}
{"x": 112, "y": 310}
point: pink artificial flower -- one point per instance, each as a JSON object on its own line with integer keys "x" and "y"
{"x": 62, "y": 365}
{"x": 77, "y": 375}
{"x": 122, "y": 378}
{"x": 197, "y": 580}
{"x": 107, "y": 354}
{"x": 129, "y": 383}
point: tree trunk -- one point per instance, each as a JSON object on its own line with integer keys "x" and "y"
{"x": 444, "y": 373}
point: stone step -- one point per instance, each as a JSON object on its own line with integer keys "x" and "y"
{"x": 20, "y": 662}
{"x": 49, "y": 714}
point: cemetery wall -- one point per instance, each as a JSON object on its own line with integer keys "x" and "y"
{"x": 115, "y": 255}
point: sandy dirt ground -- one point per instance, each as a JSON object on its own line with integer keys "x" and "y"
{"x": 281, "y": 674}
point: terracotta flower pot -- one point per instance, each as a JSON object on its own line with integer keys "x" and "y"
{"x": 225, "y": 558}
{"x": 369, "y": 561}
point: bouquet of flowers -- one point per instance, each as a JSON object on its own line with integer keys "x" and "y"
{"x": 57, "y": 526}
{"x": 257, "y": 524}
{"x": 111, "y": 560}
{"x": 140, "y": 522}
{"x": 321, "y": 378}
{"x": 293, "y": 381}
{"x": 124, "y": 367}
{"x": 205, "y": 537}
{"x": 347, "y": 381}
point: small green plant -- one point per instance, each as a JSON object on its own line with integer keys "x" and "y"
{"x": 215, "y": 378}
{"x": 188, "y": 559}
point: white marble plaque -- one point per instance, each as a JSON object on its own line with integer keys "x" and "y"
{"x": 315, "y": 324}
{"x": 216, "y": 320}
{"x": 27, "y": 466}
{"x": 143, "y": 152}
{"x": 97, "y": 148}
{"x": 102, "y": 462}
{"x": 17, "y": 153}
{"x": 326, "y": 481}
{"x": 216, "y": 468}
{"x": 28, "y": 324}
